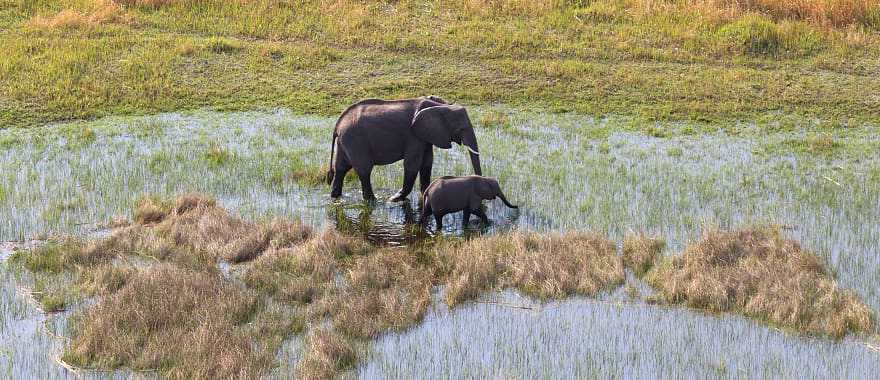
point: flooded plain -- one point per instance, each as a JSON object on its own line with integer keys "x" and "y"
{"x": 565, "y": 171}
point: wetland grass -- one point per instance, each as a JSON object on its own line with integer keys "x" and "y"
{"x": 194, "y": 223}
{"x": 306, "y": 273}
{"x": 386, "y": 290}
{"x": 343, "y": 293}
{"x": 759, "y": 273}
{"x": 327, "y": 354}
{"x": 545, "y": 266}
{"x": 188, "y": 324}
{"x": 145, "y": 309}
{"x": 641, "y": 251}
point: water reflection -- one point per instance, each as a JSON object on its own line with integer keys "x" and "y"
{"x": 397, "y": 224}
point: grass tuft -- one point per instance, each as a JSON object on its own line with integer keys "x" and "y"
{"x": 761, "y": 274}
{"x": 200, "y": 313}
{"x": 151, "y": 209}
{"x": 386, "y": 290}
{"x": 327, "y": 353}
{"x": 304, "y": 274}
{"x": 641, "y": 251}
{"x": 549, "y": 266}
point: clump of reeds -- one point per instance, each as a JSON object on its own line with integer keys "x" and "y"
{"x": 641, "y": 251}
{"x": 758, "y": 272}
{"x": 151, "y": 209}
{"x": 327, "y": 353}
{"x": 546, "y": 266}
{"x": 193, "y": 226}
{"x": 305, "y": 273}
{"x": 386, "y": 290}
{"x": 187, "y": 323}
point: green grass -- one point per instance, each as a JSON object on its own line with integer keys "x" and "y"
{"x": 606, "y": 57}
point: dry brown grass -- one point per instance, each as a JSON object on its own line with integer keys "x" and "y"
{"x": 151, "y": 209}
{"x": 543, "y": 266}
{"x": 177, "y": 313}
{"x": 641, "y": 251}
{"x": 194, "y": 228}
{"x": 103, "y": 12}
{"x": 826, "y": 13}
{"x": 761, "y": 274}
{"x": 188, "y": 324}
{"x": 820, "y": 12}
{"x": 386, "y": 290}
{"x": 305, "y": 273}
{"x": 327, "y": 353}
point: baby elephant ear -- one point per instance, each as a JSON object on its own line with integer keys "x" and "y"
{"x": 431, "y": 124}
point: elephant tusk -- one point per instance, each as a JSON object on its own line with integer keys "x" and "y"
{"x": 471, "y": 150}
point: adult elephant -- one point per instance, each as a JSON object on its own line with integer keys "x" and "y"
{"x": 380, "y": 132}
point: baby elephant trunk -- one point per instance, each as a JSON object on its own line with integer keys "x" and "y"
{"x": 503, "y": 199}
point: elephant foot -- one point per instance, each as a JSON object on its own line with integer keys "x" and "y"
{"x": 398, "y": 197}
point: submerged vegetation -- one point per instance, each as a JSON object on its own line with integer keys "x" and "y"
{"x": 698, "y": 60}
{"x": 158, "y": 284}
{"x": 761, "y": 274}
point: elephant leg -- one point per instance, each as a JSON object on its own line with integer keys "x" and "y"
{"x": 412, "y": 162}
{"x": 339, "y": 171}
{"x": 479, "y": 212}
{"x": 465, "y": 217}
{"x": 439, "y": 219}
{"x": 409, "y": 179}
{"x": 425, "y": 170}
{"x": 410, "y": 171}
{"x": 363, "y": 173}
{"x": 426, "y": 210}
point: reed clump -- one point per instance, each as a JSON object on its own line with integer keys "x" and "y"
{"x": 327, "y": 353}
{"x": 306, "y": 273}
{"x": 194, "y": 228}
{"x": 641, "y": 251}
{"x": 190, "y": 324}
{"x": 545, "y": 266}
{"x": 387, "y": 290}
{"x": 758, "y": 272}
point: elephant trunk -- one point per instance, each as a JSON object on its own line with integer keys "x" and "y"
{"x": 470, "y": 141}
{"x": 503, "y": 199}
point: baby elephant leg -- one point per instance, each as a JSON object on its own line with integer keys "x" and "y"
{"x": 479, "y": 212}
{"x": 465, "y": 217}
{"x": 426, "y": 210}
{"x": 439, "y": 219}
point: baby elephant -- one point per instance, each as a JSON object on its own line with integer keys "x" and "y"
{"x": 452, "y": 194}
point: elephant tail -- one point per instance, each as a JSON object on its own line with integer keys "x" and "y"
{"x": 330, "y": 170}
{"x": 506, "y": 203}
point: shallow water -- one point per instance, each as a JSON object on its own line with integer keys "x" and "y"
{"x": 558, "y": 168}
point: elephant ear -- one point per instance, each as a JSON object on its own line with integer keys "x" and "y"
{"x": 432, "y": 125}
{"x": 487, "y": 187}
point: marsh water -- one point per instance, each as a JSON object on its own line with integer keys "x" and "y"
{"x": 565, "y": 171}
